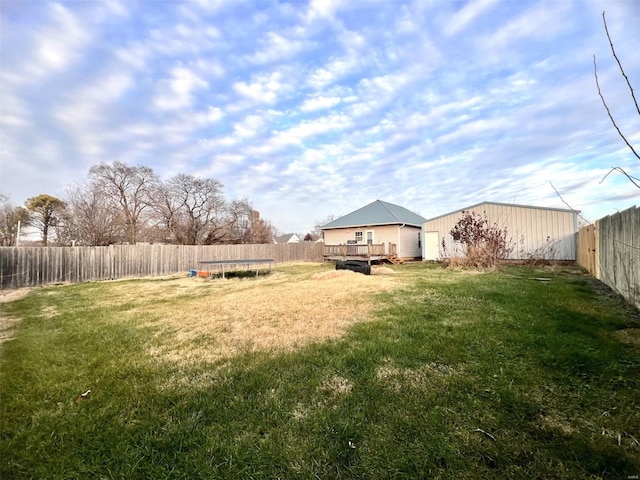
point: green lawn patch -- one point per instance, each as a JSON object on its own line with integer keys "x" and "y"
{"x": 449, "y": 374}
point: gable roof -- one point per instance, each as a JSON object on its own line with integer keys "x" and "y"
{"x": 287, "y": 238}
{"x": 377, "y": 213}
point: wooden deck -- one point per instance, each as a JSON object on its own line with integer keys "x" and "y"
{"x": 368, "y": 252}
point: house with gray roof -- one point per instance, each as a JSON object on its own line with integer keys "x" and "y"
{"x": 377, "y": 230}
{"x": 287, "y": 238}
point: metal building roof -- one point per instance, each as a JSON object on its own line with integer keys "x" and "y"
{"x": 377, "y": 213}
{"x": 512, "y": 205}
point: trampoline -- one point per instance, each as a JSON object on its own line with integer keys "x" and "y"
{"x": 221, "y": 264}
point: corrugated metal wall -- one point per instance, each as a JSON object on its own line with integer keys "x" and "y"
{"x": 534, "y": 232}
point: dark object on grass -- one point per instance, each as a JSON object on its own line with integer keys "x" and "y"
{"x": 354, "y": 265}
{"x": 83, "y": 396}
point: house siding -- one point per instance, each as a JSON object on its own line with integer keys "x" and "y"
{"x": 534, "y": 232}
{"x": 385, "y": 234}
{"x": 381, "y": 234}
{"x": 410, "y": 242}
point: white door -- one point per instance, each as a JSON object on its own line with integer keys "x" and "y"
{"x": 431, "y": 247}
{"x": 369, "y": 237}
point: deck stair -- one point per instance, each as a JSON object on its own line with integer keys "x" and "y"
{"x": 394, "y": 259}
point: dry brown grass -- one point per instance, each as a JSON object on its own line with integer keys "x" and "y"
{"x": 7, "y": 323}
{"x": 381, "y": 271}
{"x": 208, "y": 320}
{"x": 629, "y": 336}
{"x": 429, "y": 377}
{"x": 13, "y": 295}
{"x": 553, "y": 423}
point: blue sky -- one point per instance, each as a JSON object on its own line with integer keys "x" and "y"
{"x": 317, "y": 108}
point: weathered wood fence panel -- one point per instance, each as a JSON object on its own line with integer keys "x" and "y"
{"x": 619, "y": 253}
{"x": 33, "y": 266}
{"x": 586, "y": 257}
{"x": 616, "y": 260}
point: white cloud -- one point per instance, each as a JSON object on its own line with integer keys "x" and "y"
{"x": 466, "y": 15}
{"x": 83, "y": 108}
{"x": 276, "y": 47}
{"x": 208, "y": 5}
{"x": 264, "y": 88}
{"x": 177, "y": 92}
{"x": 306, "y": 129}
{"x": 322, "y": 9}
{"x": 116, "y": 7}
{"x": 14, "y": 112}
{"x": 540, "y": 23}
{"x": 135, "y": 55}
{"x": 367, "y": 99}
{"x": 249, "y": 127}
{"x": 319, "y": 103}
{"x": 207, "y": 117}
{"x": 183, "y": 39}
{"x": 333, "y": 71}
{"x": 85, "y": 113}
{"x": 59, "y": 44}
{"x": 406, "y": 22}
{"x": 209, "y": 67}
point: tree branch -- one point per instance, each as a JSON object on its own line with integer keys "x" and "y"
{"x": 631, "y": 179}
{"x": 604, "y": 20}
{"x": 595, "y": 73}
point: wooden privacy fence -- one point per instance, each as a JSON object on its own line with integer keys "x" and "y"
{"x": 586, "y": 257}
{"x": 610, "y": 251}
{"x": 33, "y": 266}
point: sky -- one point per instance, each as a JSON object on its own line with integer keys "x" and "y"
{"x": 313, "y": 109}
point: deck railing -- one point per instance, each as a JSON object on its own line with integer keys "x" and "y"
{"x": 366, "y": 250}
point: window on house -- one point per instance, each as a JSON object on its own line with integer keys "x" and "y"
{"x": 358, "y": 236}
{"x": 419, "y": 240}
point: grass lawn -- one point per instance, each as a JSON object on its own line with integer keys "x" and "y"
{"x": 307, "y": 373}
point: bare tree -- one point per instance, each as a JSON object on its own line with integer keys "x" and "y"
{"x": 165, "y": 215}
{"x": 260, "y": 230}
{"x": 46, "y": 212}
{"x": 194, "y": 209}
{"x": 131, "y": 189}
{"x": 239, "y": 221}
{"x": 10, "y": 215}
{"x": 91, "y": 218}
{"x": 632, "y": 179}
{"x": 317, "y": 228}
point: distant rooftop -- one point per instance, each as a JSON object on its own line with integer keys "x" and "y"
{"x": 287, "y": 238}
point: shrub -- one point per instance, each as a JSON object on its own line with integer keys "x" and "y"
{"x": 484, "y": 245}
{"x": 543, "y": 255}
